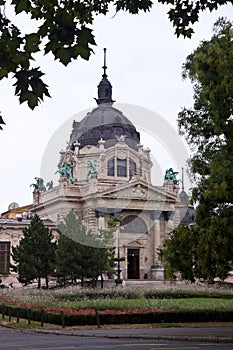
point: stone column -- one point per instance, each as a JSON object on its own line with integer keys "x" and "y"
{"x": 101, "y": 221}
{"x": 76, "y": 154}
{"x": 101, "y": 143}
{"x": 92, "y": 219}
{"x": 156, "y": 239}
{"x": 76, "y": 148}
{"x": 168, "y": 217}
{"x": 36, "y": 196}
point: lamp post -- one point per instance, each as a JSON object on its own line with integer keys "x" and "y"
{"x": 118, "y": 280}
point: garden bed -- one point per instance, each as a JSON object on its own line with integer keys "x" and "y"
{"x": 73, "y": 306}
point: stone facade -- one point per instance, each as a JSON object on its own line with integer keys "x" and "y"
{"x": 106, "y": 172}
{"x": 11, "y": 232}
{"x": 148, "y": 211}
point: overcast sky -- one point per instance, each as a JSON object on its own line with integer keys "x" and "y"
{"x": 144, "y": 60}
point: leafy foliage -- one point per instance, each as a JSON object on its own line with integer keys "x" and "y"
{"x": 64, "y": 30}
{"x": 81, "y": 253}
{"x": 179, "y": 253}
{"x": 183, "y": 14}
{"x": 34, "y": 256}
{"x": 208, "y": 128}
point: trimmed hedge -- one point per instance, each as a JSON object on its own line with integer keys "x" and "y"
{"x": 119, "y": 318}
{"x": 150, "y": 294}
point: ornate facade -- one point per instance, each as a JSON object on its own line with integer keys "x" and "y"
{"x": 106, "y": 172}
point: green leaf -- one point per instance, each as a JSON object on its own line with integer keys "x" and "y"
{"x": 21, "y": 5}
{"x": 29, "y": 87}
{"x": 84, "y": 53}
{"x": 3, "y": 73}
{"x": 32, "y": 42}
{"x": 32, "y": 100}
{"x": 39, "y": 88}
{"x": 24, "y": 96}
{"x": 19, "y": 58}
{"x": 64, "y": 56}
{"x": 85, "y": 37}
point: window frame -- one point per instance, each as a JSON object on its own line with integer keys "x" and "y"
{"x": 5, "y": 257}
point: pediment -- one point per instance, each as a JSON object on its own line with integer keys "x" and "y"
{"x": 134, "y": 244}
{"x": 138, "y": 190}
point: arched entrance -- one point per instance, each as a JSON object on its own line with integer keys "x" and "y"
{"x": 135, "y": 226}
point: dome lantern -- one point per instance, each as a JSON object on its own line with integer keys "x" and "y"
{"x": 104, "y": 87}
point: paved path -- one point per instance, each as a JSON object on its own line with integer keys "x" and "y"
{"x": 217, "y": 334}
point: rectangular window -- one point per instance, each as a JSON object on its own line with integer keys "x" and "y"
{"x": 132, "y": 168}
{"x": 121, "y": 167}
{"x": 4, "y": 257}
{"x": 111, "y": 167}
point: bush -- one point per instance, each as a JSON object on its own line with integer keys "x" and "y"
{"x": 136, "y": 294}
{"x": 120, "y": 318}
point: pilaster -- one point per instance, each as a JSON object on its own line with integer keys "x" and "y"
{"x": 156, "y": 239}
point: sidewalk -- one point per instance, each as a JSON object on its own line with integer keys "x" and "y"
{"x": 210, "y": 333}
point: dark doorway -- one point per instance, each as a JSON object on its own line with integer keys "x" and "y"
{"x": 133, "y": 263}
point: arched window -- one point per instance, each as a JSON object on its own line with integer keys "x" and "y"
{"x": 121, "y": 167}
{"x": 111, "y": 167}
{"x": 133, "y": 224}
{"x": 132, "y": 168}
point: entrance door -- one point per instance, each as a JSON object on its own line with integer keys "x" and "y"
{"x": 133, "y": 263}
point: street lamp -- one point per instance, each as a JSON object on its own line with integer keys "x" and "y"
{"x": 118, "y": 280}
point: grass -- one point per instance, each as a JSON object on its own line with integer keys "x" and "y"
{"x": 76, "y": 298}
{"x": 72, "y": 298}
{"x": 23, "y": 324}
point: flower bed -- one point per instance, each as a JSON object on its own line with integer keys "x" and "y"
{"x": 72, "y": 317}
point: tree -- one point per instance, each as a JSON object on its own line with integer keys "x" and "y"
{"x": 208, "y": 128}
{"x": 80, "y": 253}
{"x": 178, "y": 253}
{"x": 67, "y": 262}
{"x": 105, "y": 253}
{"x": 63, "y": 30}
{"x": 35, "y": 254}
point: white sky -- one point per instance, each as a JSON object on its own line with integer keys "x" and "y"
{"x": 144, "y": 60}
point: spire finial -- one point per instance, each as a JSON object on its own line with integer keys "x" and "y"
{"x": 182, "y": 179}
{"x": 104, "y": 87}
{"x": 104, "y": 66}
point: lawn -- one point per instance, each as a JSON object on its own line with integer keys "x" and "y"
{"x": 76, "y": 299}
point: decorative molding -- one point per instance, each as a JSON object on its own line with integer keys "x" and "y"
{"x": 121, "y": 155}
{"x": 155, "y": 214}
{"x": 138, "y": 191}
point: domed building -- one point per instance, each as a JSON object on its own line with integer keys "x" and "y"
{"x": 106, "y": 172}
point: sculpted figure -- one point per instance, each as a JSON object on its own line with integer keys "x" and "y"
{"x": 171, "y": 175}
{"x": 66, "y": 170}
{"x": 92, "y": 171}
{"x": 39, "y": 185}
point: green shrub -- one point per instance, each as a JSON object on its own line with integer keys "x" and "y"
{"x": 121, "y": 318}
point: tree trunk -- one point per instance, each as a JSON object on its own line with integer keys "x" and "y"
{"x": 47, "y": 282}
{"x": 102, "y": 281}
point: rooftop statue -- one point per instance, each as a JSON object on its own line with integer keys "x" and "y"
{"x": 66, "y": 171}
{"x": 49, "y": 185}
{"x": 92, "y": 171}
{"x": 171, "y": 175}
{"x": 39, "y": 185}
